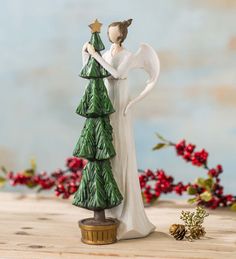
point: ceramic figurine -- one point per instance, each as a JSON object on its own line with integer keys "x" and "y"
{"x": 119, "y": 61}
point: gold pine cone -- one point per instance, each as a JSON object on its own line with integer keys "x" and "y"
{"x": 197, "y": 232}
{"x": 178, "y": 231}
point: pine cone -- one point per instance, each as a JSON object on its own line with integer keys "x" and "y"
{"x": 178, "y": 231}
{"x": 197, "y": 232}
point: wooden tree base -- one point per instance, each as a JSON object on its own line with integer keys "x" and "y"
{"x": 97, "y": 233}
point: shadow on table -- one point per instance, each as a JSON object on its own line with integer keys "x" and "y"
{"x": 157, "y": 235}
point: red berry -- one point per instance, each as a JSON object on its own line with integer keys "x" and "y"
{"x": 180, "y": 147}
{"x": 187, "y": 156}
{"x": 213, "y": 173}
{"x": 219, "y": 168}
{"x": 190, "y": 148}
{"x": 74, "y": 163}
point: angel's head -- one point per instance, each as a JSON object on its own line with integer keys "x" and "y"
{"x": 117, "y": 31}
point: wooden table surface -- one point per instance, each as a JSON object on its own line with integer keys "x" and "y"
{"x": 45, "y": 227}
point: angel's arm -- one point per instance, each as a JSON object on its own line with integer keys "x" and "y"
{"x": 85, "y": 54}
{"x": 145, "y": 58}
{"x": 118, "y": 72}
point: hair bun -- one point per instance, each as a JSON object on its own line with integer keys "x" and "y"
{"x": 128, "y": 22}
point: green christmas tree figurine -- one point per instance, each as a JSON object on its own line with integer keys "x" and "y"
{"x": 98, "y": 189}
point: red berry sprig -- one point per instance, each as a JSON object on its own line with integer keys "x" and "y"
{"x": 65, "y": 182}
{"x": 153, "y": 184}
{"x": 208, "y": 192}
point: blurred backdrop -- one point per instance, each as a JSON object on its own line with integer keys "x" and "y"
{"x": 40, "y": 53}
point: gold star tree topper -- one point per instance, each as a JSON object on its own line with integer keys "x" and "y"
{"x": 95, "y": 26}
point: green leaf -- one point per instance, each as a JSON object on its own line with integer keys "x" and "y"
{"x": 208, "y": 183}
{"x": 29, "y": 172}
{"x": 160, "y": 137}
{"x": 4, "y": 170}
{"x": 206, "y": 196}
{"x": 205, "y": 183}
{"x": 159, "y": 146}
{"x": 233, "y": 207}
{"x": 2, "y": 181}
{"x": 200, "y": 181}
{"x": 33, "y": 164}
{"x": 31, "y": 185}
{"x": 191, "y": 190}
{"x": 192, "y": 200}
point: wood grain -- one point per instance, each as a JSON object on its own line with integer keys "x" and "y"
{"x": 35, "y": 227}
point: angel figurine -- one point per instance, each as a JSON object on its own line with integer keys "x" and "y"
{"x": 119, "y": 61}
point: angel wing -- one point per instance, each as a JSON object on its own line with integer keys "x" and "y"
{"x": 147, "y": 59}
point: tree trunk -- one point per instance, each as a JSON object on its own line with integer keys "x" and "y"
{"x": 99, "y": 215}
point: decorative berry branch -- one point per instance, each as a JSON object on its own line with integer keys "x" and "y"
{"x": 64, "y": 182}
{"x": 153, "y": 184}
{"x": 207, "y": 192}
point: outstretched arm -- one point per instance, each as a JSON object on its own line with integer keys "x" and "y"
{"x": 116, "y": 73}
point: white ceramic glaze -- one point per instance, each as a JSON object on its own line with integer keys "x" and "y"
{"x": 131, "y": 214}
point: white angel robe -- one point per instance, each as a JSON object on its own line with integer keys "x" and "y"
{"x": 131, "y": 213}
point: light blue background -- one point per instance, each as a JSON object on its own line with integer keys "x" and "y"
{"x": 40, "y": 45}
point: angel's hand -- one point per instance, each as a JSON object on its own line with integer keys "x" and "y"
{"x": 90, "y": 49}
{"x": 127, "y": 108}
{"x": 84, "y": 49}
